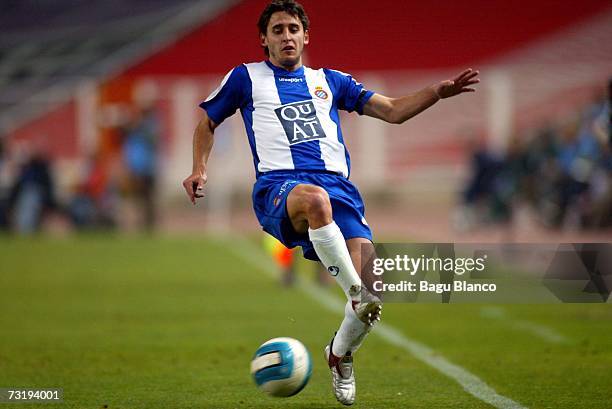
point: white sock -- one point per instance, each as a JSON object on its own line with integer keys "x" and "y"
{"x": 351, "y": 333}
{"x": 330, "y": 246}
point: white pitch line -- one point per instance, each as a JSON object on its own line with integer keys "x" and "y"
{"x": 539, "y": 330}
{"x": 542, "y": 331}
{"x": 470, "y": 382}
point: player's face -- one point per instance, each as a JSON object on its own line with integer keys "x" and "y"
{"x": 285, "y": 39}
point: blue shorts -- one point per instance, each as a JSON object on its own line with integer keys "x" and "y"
{"x": 270, "y": 204}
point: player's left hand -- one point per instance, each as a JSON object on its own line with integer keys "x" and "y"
{"x": 460, "y": 84}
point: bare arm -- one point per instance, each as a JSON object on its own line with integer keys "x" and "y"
{"x": 398, "y": 110}
{"x": 203, "y": 139}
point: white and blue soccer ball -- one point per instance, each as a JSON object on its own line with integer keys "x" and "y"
{"x": 281, "y": 367}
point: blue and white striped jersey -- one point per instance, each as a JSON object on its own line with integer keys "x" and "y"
{"x": 291, "y": 118}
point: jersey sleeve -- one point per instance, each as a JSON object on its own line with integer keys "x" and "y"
{"x": 349, "y": 94}
{"x": 228, "y": 97}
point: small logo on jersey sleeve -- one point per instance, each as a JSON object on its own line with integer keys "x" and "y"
{"x": 300, "y": 122}
{"x": 320, "y": 93}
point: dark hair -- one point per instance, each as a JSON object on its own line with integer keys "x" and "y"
{"x": 290, "y": 7}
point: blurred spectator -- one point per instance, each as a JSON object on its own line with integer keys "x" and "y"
{"x": 542, "y": 172}
{"x": 578, "y": 156}
{"x": 484, "y": 167}
{"x": 600, "y": 213}
{"x": 479, "y": 194}
{"x": 140, "y": 158}
{"x": 32, "y": 194}
{"x": 508, "y": 183}
{"x": 95, "y": 200}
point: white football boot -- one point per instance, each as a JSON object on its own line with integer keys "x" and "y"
{"x": 343, "y": 378}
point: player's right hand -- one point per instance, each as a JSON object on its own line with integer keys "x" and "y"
{"x": 193, "y": 186}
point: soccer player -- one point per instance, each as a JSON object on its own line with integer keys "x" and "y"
{"x": 302, "y": 195}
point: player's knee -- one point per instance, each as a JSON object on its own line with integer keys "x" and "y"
{"x": 318, "y": 205}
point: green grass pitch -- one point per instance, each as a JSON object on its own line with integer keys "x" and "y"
{"x": 133, "y": 322}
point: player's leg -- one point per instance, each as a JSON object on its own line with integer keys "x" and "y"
{"x": 362, "y": 255}
{"x": 339, "y": 353}
{"x": 310, "y": 210}
{"x": 352, "y": 331}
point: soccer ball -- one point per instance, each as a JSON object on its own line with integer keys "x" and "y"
{"x": 281, "y": 367}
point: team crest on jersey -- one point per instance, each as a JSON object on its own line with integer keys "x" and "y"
{"x": 300, "y": 122}
{"x": 321, "y": 93}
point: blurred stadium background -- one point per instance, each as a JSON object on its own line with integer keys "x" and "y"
{"x": 105, "y": 94}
